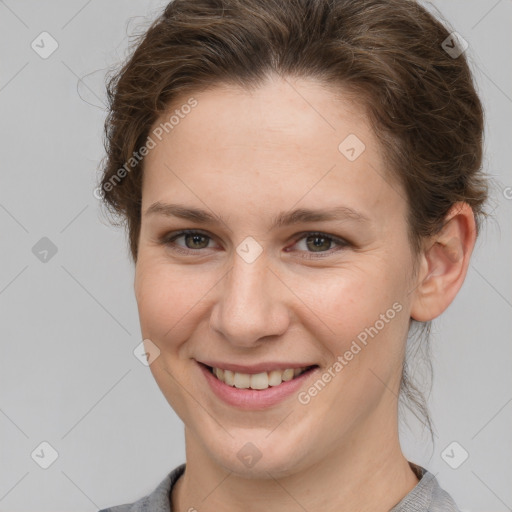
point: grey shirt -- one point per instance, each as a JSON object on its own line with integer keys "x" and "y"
{"x": 427, "y": 496}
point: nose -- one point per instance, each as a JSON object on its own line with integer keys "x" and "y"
{"x": 251, "y": 304}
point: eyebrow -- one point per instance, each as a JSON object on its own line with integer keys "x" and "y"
{"x": 285, "y": 218}
{"x": 339, "y": 213}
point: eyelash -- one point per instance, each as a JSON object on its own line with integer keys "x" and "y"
{"x": 169, "y": 241}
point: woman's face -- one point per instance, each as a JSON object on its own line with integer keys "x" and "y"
{"x": 246, "y": 292}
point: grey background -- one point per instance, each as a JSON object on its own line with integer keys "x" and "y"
{"x": 68, "y": 375}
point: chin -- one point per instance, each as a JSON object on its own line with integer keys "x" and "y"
{"x": 257, "y": 457}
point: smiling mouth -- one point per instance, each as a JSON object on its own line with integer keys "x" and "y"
{"x": 258, "y": 381}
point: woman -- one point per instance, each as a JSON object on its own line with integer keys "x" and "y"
{"x": 301, "y": 185}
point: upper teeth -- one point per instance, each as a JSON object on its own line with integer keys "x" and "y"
{"x": 256, "y": 380}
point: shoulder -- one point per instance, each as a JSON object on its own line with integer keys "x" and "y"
{"x": 155, "y": 501}
{"x": 427, "y": 496}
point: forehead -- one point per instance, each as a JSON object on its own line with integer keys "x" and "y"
{"x": 286, "y": 140}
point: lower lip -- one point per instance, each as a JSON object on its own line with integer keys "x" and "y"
{"x": 253, "y": 399}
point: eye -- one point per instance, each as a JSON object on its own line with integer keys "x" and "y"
{"x": 314, "y": 244}
{"x": 194, "y": 241}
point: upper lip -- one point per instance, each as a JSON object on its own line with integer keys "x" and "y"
{"x": 256, "y": 368}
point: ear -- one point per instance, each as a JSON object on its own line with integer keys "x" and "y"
{"x": 444, "y": 264}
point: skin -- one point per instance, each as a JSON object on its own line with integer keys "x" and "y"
{"x": 247, "y": 156}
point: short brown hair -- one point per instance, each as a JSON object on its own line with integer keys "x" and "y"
{"x": 388, "y": 53}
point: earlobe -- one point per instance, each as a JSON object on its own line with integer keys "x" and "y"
{"x": 444, "y": 265}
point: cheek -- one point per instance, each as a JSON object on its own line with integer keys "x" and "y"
{"x": 156, "y": 296}
{"x": 360, "y": 317}
{"x": 345, "y": 301}
{"x": 361, "y": 320}
{"x": 167, "y": 299}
